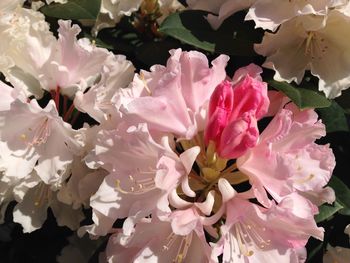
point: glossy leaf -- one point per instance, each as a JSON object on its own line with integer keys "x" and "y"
{"x": 191, "y": 27}
{"x": 303, "y": 98}
{"x": 342, "y": 193}
{"x": 73, "y": 9}
{"x": 334, "y": 118}
{"x": 326, "y": 211}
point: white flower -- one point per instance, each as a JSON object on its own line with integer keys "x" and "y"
{"x": 25, "y": 32}
{"x": 269, "y": 14}
{"x": 312, "y": 43}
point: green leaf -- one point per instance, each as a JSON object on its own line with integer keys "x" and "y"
{"x": 314, "y": 252}
{"x": 191, "y": 27}
{"x": 334, "y": 118}
{"x": 303, "y": 98}
{"x": 73, "y": 9}
{"x": 145, "y": 52}
{"x": 326, "y": 211}
{"x": 342, "y": 193}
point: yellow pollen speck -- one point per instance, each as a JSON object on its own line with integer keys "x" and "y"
{"x": 23, "y": 136}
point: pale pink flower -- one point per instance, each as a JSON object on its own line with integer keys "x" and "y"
{"x": 117, "y": 73}
{"x": 286, "y": 159}
{"x": 73, "y": 64}
{"x": 31, "y": 211}
{"x": 143, "y": 172}
{"x": 255, "y": 234}
{"x": 143, "y": 245}
{"x": 36, "y": 138}
{"x": 82, "y": 184}
{"x": 177, "y": 94}
{"x": 67, "y": 63}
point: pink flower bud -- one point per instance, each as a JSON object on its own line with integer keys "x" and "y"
{"x": 220, "y": 108}
{"x": 250, "y": 94}
{"x": 234, "y": 111}
{"x": 238, "y": 136}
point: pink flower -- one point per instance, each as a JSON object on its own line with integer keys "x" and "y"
{"x": 143, "y": 172}
{"x": 37, "y": 139}
{"x": 177, "y": 238}
{"x": 255, "y": 234}
{"x": 234, "y": 111}
{"x": 287, "y": 159}
{"x": 175, "y": 96}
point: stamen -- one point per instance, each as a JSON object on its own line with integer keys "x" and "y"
{"x": 39, "y": 135}
{"x": 183, "y": 248}
{"x": 169, "y": 242}
{"x": 145, "y": 84}
{"x": 305, "y": 179}
{"x": 138, "y": 186}
{"x": 315, "y": 45}
{"x": 308, "y": 46}
{"x": 249, "y": 232}
{"x": 241, "y": 241}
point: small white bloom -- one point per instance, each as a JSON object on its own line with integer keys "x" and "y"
{"x": 312, "y": 43}
{"x": 269, "y": 14}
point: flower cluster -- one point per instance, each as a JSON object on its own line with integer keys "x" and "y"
{"x": 196, "y": 163}
{"x": 187, "y": 160}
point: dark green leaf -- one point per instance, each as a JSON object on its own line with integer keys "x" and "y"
{"x": 313, "y": 252}
{"x": 342, "y": 193}
{"x": 145, "y": 52}
{"x": 326, "y": 211}
{"x": 191, "y": 27}
{"x": 73, "y": 9}
{"x": 303, "y": 98}
{"x": 334, "y": 118}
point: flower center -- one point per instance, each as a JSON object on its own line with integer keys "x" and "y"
{"x": 139, "y": 185}
{"x": 209, "y": 167}
{"x": 38, "y": 135}
{"x": 315, "y": 46}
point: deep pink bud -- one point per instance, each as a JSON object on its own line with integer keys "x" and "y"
{"x": 238, "y": 136}
{"x": 220, "y": 108}
{"x": 234, "y": 112}
{"x": 250, "y": 94}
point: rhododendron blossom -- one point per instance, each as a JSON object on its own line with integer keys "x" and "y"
{"x": 184, "y": 178}
{"x": 189, "y": 161}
